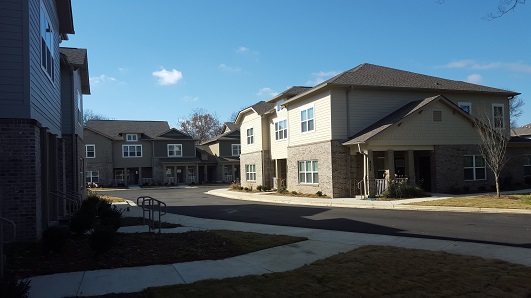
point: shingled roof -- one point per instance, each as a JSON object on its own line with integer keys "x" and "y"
{"x": 78, "y": 59}
{"x": 522, "y": 131}
{"x": 293, "y": 91}
{"x": 117, "y": 128}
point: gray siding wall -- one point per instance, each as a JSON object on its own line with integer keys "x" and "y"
{"x": 78, "y": 105}
{"x": 103, "y": 147}
{"x": 225, "y": 148}
{"x": 72, "y": 115}
{"x": 161, "y": 148}
{"x": 132, "y": 162}
{"x": 13, "y": 59}
{"x": 45, "y": 98}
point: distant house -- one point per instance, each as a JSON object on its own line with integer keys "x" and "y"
{"x": 41, "y": 104}
{"x": 226, "y": 149}
{"x": 124, "y": 152}
{"x": 354, "y": 132}
{"x": 523, "y": 132}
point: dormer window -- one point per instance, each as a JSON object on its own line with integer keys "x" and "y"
{"x": 132, "y": 137}
{"x": 279, "y": 105}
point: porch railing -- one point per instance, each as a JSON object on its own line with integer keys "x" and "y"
{"x": 383, "y": 184}
{"x": 228, "y": 178}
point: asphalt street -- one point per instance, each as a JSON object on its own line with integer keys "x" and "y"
{"x": 504, "y": 229}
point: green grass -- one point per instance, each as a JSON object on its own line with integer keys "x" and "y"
{"x": 515, "y": 201}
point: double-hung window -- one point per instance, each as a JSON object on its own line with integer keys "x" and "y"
{"x": 47, "y": 44}
{"x": 250, "y": 136}
{"x": 308, "y": 172}
{"x": 527, "y": 165}
{"x": 475, "y": 167}
{"x": 497, "y": 115}
{"x": 131, "y": 150}
{"x": 250, "y": 172}
{"x": 307, "y": 120}
{"x": 281, "y": 130}
{"x": 236, "y": 149}
{"x": 175, "y": 150}
{"x": 90, "y": 151}
{"x": 131, "y": 137}
{"x": 92, "y": 177}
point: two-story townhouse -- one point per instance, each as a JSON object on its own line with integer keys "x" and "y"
{"x": 40, "y": 88}
{"x": 372, "y": 123}
{"x": 125, "y": 152}
{"x": 226, "y": 149}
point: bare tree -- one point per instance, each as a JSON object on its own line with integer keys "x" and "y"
{"x": 504, "y": 7}
{"x": 91, "y": 115}
{"x": 515, "y": 110}
{"x": 234, "y": 114}
{"x": 201, "y": 125}
{"x": 493, "y": 147}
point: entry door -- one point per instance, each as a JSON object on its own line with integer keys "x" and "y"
{"x": 424, "y": 175}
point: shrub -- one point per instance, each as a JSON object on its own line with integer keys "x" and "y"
{"x": 81, "y": 222}
{"x": 282, "y": 190}
{"x": 53, "y": 239}
{"x": 234, "y": 186}
{"x": 101, "y": 239}
{"x": 13, "y": 288}
{"x": 111, "y": 218}
{"x": 319, "y": 193}
{"x": 402, "y": 190}
{"x": 259, "y": 187}
{"x": 246, "y": 188}
{"x": 241, "y": 188}
{"x": 294, "y": 192}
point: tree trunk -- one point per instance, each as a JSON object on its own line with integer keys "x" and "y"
{"x": 496, "y": 177}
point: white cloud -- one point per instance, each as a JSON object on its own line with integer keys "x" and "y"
{"x": 95, "y": 81}
{"x": 190, "y": 98}
{"x": 472, "y": 64}
{"x": 474, "y": 78}
{"x": 226, "y": 68}
{"x": 242, "y": 50}
{"x": 246, "y": 51}
{"x": 319, "y": 77}
{"x": 267, "y": 92}
{"x": 168, "y": 77}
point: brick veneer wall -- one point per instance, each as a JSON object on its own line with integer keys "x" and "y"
{"x": 20, "y": 176}
{"x": 513, "y": 172}
{"x": 264, "y": 168}
{"x": 316, "y": 151}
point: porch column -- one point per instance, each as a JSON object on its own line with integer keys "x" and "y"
{"x": 140, "y": 176}
{"x": 277, "y": 174}
{"x": 390, "y": 165}
{"x": 411, "y": 165}
{"x": 196, "y": 174}
{"x": 371, "y": 185}
{"x": 205, "y": 171}
{"x": 185, "y": 174}
{"x": 126, "y": 177}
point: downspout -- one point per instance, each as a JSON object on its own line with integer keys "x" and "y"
{"x": 348, "y": 135}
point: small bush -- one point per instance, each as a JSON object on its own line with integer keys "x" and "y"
{"x": 402, "y": 190}
{"x": 246, "y": 188}
{"x": 282, "y": 190}
{"x": 13, "y": 288}
{"x": 101, "y": 239}
{"x": 234, "y": 186}
{"x": 259, "y": 187}
{"x": 294, "y": 192}
{"x": 82, "y": 222}
{"x": 54, "y": 239}
{"x": 111, "y": 218}
{"x": 241, "y": 188}
{"x": 319, "y": 193}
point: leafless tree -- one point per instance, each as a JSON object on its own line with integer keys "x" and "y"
{"x": 504, "y": 7}
{"x": 515, "y": 110}
{"x": 91, "y": 115}
{"x": 201, "y": 125}
{"x": 493, "y": 146}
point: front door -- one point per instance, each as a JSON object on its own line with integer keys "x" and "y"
{"x": 424, "y": 175}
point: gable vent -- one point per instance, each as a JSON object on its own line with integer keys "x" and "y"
{"x": 437, "y": 116}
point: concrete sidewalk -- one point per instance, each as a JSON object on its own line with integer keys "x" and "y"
{"x": 270, "y": 197}
{"x": 320, "y": 244}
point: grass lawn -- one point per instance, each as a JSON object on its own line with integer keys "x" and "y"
{"x": 370, "y": 271}
{"x": 514, "y": 201}
{"x": 141, "y": 249}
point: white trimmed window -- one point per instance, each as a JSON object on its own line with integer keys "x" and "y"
{"x": 236, "y": 149}
{"x": 527, "y": 165}
{"x": 131, "y": 137}
{"x": 497, "y": 115}
{"x": 279, "y": 105}
{"x": 281, "y": 130}
{"x": 92, "y": 177}
{"x": 131, "y": 150}
{"x": 90, "y": 151}
{"x": 47, "y": 44}
{"x": 475, "y": 168}
{"x": 308, "y": 172}
{"x": 307, "y": 120}
{"x": 465, "y": 106}
{"x": 250, "y": 172}
{"x": 175, "y": 150}
{"x": 250, "y": 136}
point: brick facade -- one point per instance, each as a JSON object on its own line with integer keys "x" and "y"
{"x": 265, "y": 169}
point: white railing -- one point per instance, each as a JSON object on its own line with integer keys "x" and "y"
{"x": 381, "y": 186}
{"x": 147, "y": 180}
{"x": 228, "y": 178}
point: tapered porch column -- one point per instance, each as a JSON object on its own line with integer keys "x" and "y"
{"x": 411, "y": 165}
{"x": 371, "y": 185}
{"x": 390, "y": 165}
{"x": 196, "y": 174}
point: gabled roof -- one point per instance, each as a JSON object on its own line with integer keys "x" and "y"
{"x": 293, "y": 91}
{"x": 66, "y": 21}
{"x": 522, "y": 131}
{"x": 116, "y": 129}
{"x": 374, "y": 76}
{"x": 233, "y": 135}
{"x": 231, "y": 126}
{"x": 78, "y": 59}
{"x": 397, "y": 116}
{"x": 260, "y": 108}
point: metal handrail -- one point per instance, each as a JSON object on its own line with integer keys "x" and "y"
{"x": 2, "y": 241}
{"x": 150, "y": 205}
{"x": 74, "y": 207}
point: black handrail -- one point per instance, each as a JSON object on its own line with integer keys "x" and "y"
{"x": 150, "y": 205}
{"x": 74, "y": 199}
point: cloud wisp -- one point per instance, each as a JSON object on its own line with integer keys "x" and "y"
{"x": 168, "y": 77}
{"x": 472, "y": 64}
{"x": 321, "y": 76}
{"x": 267, "y": 92}
{"x": 226, "y": 68}
{"x": 246, "y": 51}
{"x": 102, "y": 79}
{"x": 474, "y": 78}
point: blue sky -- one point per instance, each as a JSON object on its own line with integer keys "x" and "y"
{"x": 159, "y": 60}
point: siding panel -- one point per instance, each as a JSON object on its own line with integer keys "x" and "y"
{"x": 322, "y": 117}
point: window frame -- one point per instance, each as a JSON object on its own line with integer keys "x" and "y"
{"x": 462, "y": 104}
{"x": 250, "y": 172}
{"x": 47, "y": 41}
{"x": 239, "y": 150}
{"x": 313, "y": 172}
{"x": 494, "y": 122}
{"x": 91, "y": 176}
{"x": 250, "y": 137}
{"x": 474, "y": 168}
{"x": 527, "y": 164}
{"x": 174, "y": 151}
{"x": 306, "y": 122}
{"x": 136, "y": 151}
{"x": 134, "y": 137}
{"x": 281, "y": 131}
{"x": 87, "y": 151}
